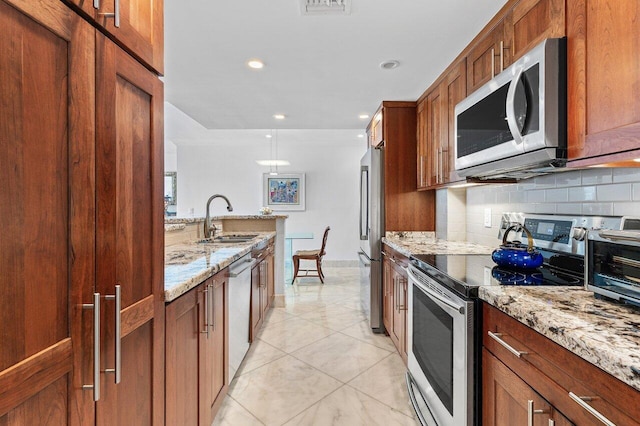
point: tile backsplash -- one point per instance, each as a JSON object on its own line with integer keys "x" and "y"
{"x": 595, "y": 191}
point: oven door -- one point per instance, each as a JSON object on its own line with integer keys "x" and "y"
{"x": 440, "y": 351}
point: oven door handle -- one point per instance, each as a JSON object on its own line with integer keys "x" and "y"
{"x": 434, "y": 295}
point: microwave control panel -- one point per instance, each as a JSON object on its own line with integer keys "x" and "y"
{"x": 557, "y": 231}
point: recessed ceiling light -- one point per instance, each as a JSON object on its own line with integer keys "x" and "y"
{"x": 361, "y": 135}
{"x": 273, "y": 162}
{"x": 279, "y": 116}
{"x": 363, "y": 116}
{"x": 256, "y": 64}
{"x": 268, "y": 136}
{"x": 389, "y": 65}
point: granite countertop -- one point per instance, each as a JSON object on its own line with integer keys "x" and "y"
{"x": 604, "y": 333}
{"x": 168, "y": 227}
{"x": 250, "y": 216}
{"x": 187, "y": 265}
{"x": 185, "y": 220}
{"x": 408, "y": 243}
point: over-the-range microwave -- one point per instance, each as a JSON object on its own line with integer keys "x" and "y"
{"x": 515, "y": 125}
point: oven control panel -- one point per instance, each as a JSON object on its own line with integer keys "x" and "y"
{"x": 557, "y": 231}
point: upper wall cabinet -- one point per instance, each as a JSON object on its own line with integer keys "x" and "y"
{"x": 526, "y": 24}
{"x": 136, "y": 25}
{"x": 604, "y": 81}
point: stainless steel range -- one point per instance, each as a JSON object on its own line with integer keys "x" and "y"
{"x": 443, "y": 320}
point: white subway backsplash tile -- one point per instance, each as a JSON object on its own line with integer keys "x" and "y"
{"x": 557, "y": 195}
{"x": 569, "y": 208}
{"x": 571, "y": 178}
{"x": 582, "y": 193}
{"x": 635, "y": 192}
{"x": 598, "y": 208}
{"x": 536, "y": 196}
{"x": 597, "y": 175}
{"x": 626, "y": 209}
{"x": 547, "y": 181}
{"x": 626, "y": 175}
{"x": 616, "y": 192}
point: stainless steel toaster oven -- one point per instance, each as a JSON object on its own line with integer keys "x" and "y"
{"x": 613, "y": 264}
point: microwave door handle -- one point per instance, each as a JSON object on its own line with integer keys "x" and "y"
{"x": 511, "y": 109}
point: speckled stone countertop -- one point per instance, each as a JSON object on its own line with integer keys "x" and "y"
{"x": 408, "y": 243}
{"x": 255, "y": 216}
{"x": 187, "y": 265}
{"x": 604, "y": 333}
{"x": 168, "y": 227}
{"x": 185, "y": 220}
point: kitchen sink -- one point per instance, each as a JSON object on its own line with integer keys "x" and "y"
{"x": 230, "y": 239}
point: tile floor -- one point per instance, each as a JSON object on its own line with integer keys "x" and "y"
{"x": 316, "y": 362}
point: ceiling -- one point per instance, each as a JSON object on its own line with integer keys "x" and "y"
{"x": 322, "y": 72}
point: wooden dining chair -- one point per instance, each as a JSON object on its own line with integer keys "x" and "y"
{"x": 310, "y": 255}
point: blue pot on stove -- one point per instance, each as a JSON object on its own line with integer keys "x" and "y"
{"x": 515, "y": 254}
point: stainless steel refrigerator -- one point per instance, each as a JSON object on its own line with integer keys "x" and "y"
{"x": 371, "y": 233}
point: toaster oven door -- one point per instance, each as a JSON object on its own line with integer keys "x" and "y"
{"x": 613, "y": 264}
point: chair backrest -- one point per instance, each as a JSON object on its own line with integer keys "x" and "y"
{"x": 324, "y": 241}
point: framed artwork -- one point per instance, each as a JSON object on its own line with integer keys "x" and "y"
{"x": 284, "y": 191}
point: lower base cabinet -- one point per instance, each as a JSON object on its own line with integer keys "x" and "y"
{"x": 262, "y": 286}
{"x": 394, "y": 310}
{"x": 545, "y": 384}
{"x": 196, "y": 350}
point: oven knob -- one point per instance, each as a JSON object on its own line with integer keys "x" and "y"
{"x": 579, "y": 233}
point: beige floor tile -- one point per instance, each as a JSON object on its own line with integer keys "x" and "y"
{"x": 293, "y": 334}
{"x": 260, "y": 353}
{"x": 275, "y": 315}
{"x": 348, "y": 407}
{"x": 341, "y": 356}
{"x": 385, "y": 382}
{"x": 233, "y": 414}
{"x": 281, "y": 389}
{"x": 335, "y": 317}
{"x": 362, "y": 331}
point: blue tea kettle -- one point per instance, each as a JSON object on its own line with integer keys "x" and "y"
{"x": 515, "y": 254}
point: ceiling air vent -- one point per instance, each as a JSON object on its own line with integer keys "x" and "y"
{"x": 325, "y": 7}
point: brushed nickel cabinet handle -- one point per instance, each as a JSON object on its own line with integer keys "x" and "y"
{"x": 531, "y": 411}
{"x": 96, "y": 345}
{"x": 552, "y": 422}
{"x": 493, "y": 62}
{"x": 212, "y": 306}
{"x": 117, "y": 297}
{"x": 205, "y": 293}
{"x": 582, "y": 401}
{"x": 96, "y": 4}
{"x": 115, "y": 15}
{"x": 496, "y": 337}
{"x": 501, "y": 55}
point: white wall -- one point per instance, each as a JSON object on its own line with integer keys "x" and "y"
{"x": 595, "y": 191}
{"x": 224, "y": 162}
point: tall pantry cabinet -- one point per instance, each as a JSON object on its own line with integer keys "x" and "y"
{"x": 81, "y": 207}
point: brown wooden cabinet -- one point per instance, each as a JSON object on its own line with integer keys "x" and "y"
{"x": 262, "y": 286}
{"x": 549, "y": 370}
{"x": 197, "y": 353}
{"x": 508, "y": 400}
{"x": 436, "y": 129}
{"x": 140, "y": 29}
{"x": 395, "y": 285}
{"x": 47, "y": 205}
{"x": 129, "y": 234}
{"x": 603, "y": 76}
{"x": 405, "y": 209}
{"x": 486, "y": 58}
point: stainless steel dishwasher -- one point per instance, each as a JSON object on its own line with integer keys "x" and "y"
{"x": 239, "y": 305}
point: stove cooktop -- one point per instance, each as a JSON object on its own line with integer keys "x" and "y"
{"x": 465, "y": 273}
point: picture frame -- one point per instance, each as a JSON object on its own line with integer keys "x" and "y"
{"x": 284, "y": 191}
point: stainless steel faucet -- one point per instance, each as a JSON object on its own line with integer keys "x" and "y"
{"x": 207, "y": 219}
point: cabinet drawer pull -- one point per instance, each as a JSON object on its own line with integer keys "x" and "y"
{"x": 115, "y": 15}
{"x": 531, "y": 411}
{"x": 205, "y": 293}
{"x": 96, "y": 345}
{"x": 581, "y": 400}
{"x": 117, "y": 297}
{"x": 496, "y": 337}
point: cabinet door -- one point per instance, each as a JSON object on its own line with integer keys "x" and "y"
{"x": 399, "y": 314}
{"x": 435, "y": 134}
{"x": 508, "y": 400}
{"x": 270, "y": 277}
{"x": 421, "y": 137}
{"x": 455, "y": 86}
{"x": 264, "y": 292}
{"x": 603, "y": 89}
{"x": 140, "y": 29}
{"x": 256, "y": 310}
{"x": 184, "y": 323}
{"x": 529, "y": 23}
{"x": 47, "y": 210}
{"x": 215, "y": 346}
{"x": 129, "y": 233}
{"x": 484, "y": 59}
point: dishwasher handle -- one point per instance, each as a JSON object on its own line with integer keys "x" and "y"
{"x": 236, "y": 271}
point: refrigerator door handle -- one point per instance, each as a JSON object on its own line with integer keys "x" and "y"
{"x": 364, "y": 258}
{"x": 364, "y": 203}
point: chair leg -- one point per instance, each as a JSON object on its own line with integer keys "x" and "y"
{"x": 296, "y": 266}
{"x": 319, "y": 267}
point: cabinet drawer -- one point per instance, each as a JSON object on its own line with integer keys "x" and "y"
{"x": 556, "y": 373}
